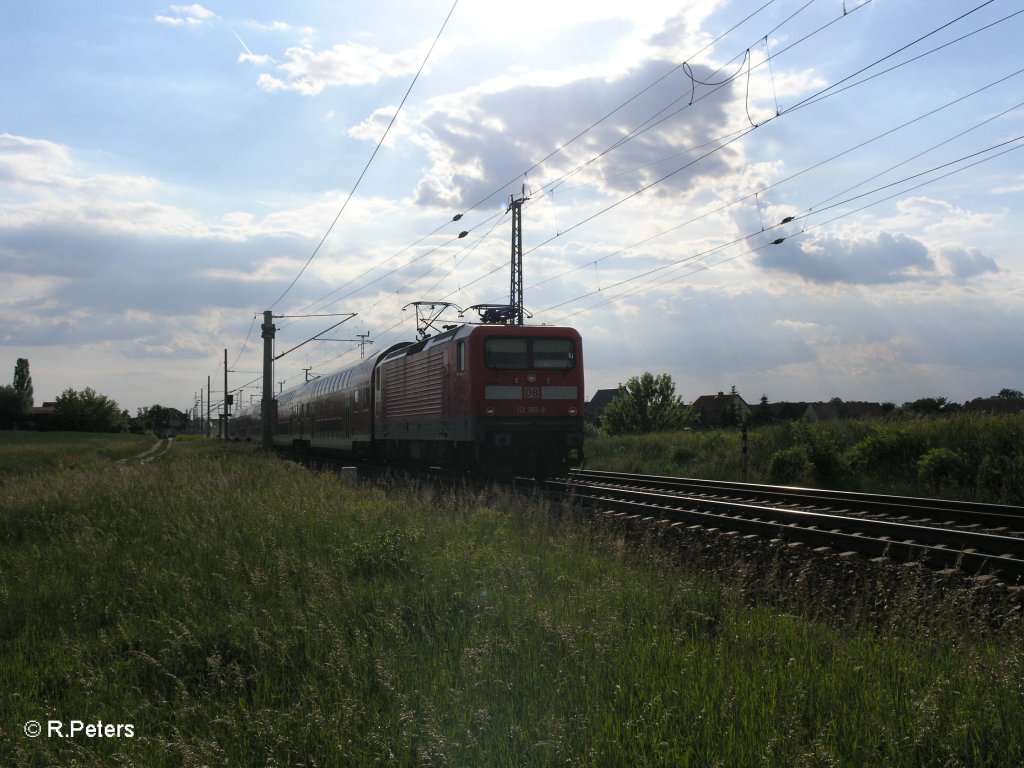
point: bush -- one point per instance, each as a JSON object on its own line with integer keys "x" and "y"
{"x": 683, "y": 455}
{"x": 944, "y": 468}
{"x": 886, "y": 454}
{"x": 790, "y": 466}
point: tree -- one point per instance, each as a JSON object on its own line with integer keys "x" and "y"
{"x": 87, "y": 411}
{"x": 644, "y": 404}
{"x": 931, "y": 406}
{"x": 156, "y": 418}
{"x": 23, "y": 380}
{"x": 1010, "y": 394}
{"x": 762, "y": 413}
{"x": 13, "y": 407}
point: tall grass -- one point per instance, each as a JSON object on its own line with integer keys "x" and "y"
{"x": 22, "y": 451}
{"x": 240, "y": 611}
{"x": 966, "y": 456}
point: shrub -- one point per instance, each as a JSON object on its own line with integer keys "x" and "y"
{"x": 683, "y": 454}
{"x": 790, "y": 466}
{"x": 886, "y": 453}
{"x": 942, "y": 468}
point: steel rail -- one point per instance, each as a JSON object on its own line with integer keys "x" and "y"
{"x": 963, "y": 512}
{"x": 972, "y": 551}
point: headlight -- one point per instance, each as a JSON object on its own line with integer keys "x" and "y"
{"x": 489, "y": 411}
{"x": 573, "y": 411}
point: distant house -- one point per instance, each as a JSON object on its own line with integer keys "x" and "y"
{"x": 783, "y": 411}
{"x": 721, "y": 410}
{"x": 1003, "y": 406}
{"x": 838, "y": 411}
{"x": 596, "y": 405}
{"x": 42, "y": 417}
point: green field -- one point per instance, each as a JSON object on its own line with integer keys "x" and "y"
{"x": 22, "y": 451}
{"x": 237, "y": 610}
{"x": 966, "y": 456}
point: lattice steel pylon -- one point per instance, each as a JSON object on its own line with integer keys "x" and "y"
{"x": 515, "y": 293}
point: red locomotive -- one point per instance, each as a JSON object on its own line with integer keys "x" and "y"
{"x": 503, "y": 398}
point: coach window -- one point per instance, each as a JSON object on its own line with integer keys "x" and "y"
{"x": 460, "y": 356}
{"x": 505, "y": 353}
{"x": 553, "y": 354}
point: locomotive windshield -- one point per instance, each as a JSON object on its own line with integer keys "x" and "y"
{"x": 512, "y": 353}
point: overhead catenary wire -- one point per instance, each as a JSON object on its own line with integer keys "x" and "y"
{"x": 977, "y": 158}
{"x": 819, "y": 164}
{"x": 366, "y": 168}
{"x": 565, "y": 144}
{"x": 575, "y": 138}
{"x": 625, "y": 139}
{"x": 806, "y": 102}
{"x": 746, "y": 132}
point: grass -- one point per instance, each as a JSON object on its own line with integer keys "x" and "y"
{"x": 22, "y": 451}
{"x": 238, "y": 611}
{"x": 966, "y": 456}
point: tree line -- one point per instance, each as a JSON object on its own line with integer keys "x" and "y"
{"x": 83, "y": 410}
{"x": 649, "y": 403}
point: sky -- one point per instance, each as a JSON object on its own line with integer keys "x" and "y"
{"x": 804, "y": 200}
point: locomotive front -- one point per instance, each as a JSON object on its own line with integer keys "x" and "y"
{"x": 525, "y": 394}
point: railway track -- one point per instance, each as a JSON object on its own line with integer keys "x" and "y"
{"x": 974, "y": 538}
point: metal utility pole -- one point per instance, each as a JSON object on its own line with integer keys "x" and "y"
{"x": 267, "y": 409}
{"x": 515, "y": 292}
{"x": 227, "y": 402}
{"x": 206, "y": 424}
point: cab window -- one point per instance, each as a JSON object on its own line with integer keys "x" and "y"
{"x": 544, "y": 354}
{"x": 505, "y": 353}
{"x": 553, "y": 354}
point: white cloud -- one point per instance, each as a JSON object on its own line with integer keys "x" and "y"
{"x": 259, "y": 59}
{"x": 269, "y": 26}
{"x": 189, "y": 15}
{"x": 308, "y": 72}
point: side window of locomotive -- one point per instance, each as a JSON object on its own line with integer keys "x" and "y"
{"x": 460, "y": 356}
{"x": 553, "y": 354}
{"x": 505, "y": 353}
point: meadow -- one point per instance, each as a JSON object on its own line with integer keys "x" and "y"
{"x": 237, "y": 610}
{"x": 22, "y": 451}
{"x": 964, "y": 456}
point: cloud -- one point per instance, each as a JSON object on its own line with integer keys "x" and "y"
{"x": 26, "y": 162}
{"x": 968, "y": 262}
{"x": 478, "y": 139}
{"x": 259, "y": 59}
{"x": 309, "y": 72}
{"x": 881, "y": 259}
{"x": 187, "y": 15}
{"x": 268, "y": 26}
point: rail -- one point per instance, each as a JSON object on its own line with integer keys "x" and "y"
{"x": 871, "y": 524}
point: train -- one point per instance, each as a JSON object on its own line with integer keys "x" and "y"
{"x": 494, "y": 398}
